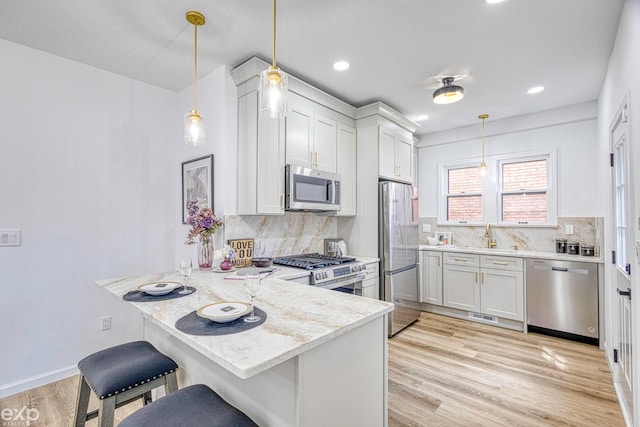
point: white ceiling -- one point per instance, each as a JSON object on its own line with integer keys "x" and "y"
{"x": 394, "y": 46}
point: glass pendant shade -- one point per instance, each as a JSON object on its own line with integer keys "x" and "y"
{"x": 194, "y": 129}
{"x": 483, "y": 169}
{"x": 448, "y": 93}
{"x": 273, "y": 93}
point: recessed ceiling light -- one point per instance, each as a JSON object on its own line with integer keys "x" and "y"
{"x": 420, "y": 118}
{"x": 493, "y": 1}
{"x": 340, "y": 65}
{"x": 536, "y": 89}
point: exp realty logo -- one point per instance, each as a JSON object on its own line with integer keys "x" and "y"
{"x": 24, "y": 416}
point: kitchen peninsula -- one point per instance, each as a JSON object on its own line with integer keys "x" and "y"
{"x": 319, "y": 359}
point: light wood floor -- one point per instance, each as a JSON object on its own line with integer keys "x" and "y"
{"x": 448, "y": 372}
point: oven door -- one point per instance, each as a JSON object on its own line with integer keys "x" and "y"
{"x": 349, "y": 285}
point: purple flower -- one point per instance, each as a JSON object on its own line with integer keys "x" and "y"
{"x": 206, "y": 222}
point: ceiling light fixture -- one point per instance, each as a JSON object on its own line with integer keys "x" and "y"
{"x": 493, "y": 1}
{"x": 536, "y": 89}
{"x": 194, "y": 131}
{"x": 340, "y": 65}
{"x": 483, "y": 165}
{"x": 448, "y": 93}
{"x": 272, "y": 91}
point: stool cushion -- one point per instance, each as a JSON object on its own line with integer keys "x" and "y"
{"x": 123, "y": 367}
{"x": 193, "y": 406}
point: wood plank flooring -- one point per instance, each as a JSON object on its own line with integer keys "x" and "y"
{"x": 450, "y": 372}
{"x": 446, "y": 372}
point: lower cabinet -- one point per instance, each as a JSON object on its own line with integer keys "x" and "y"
{"x": 492, "y": 285}
{"x": 371, "y": 282}
{"x": 431, "y": 277}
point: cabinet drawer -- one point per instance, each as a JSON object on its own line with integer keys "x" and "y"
{"x": 501, "y": 262}
{"x": 462, "y": 259}
{"x": 373, "y": 270}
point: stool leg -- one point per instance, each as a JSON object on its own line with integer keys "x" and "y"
{"x": 106, "y": 412}
{"x": 171, "y": 383}
{"x": 82, "y": 403}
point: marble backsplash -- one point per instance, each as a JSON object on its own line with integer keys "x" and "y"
{"x": 586, "y": 231}
{"x": 277, "y": 235}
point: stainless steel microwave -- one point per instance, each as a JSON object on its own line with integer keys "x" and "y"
{"x": 311, "y": 190}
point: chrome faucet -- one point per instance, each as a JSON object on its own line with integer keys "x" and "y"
{"x": 491, "y": 242}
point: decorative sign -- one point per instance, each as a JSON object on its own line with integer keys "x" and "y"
{"x": 244, "y": 252}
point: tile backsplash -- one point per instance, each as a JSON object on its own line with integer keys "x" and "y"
{"x": 586, "y": 230}
{"x": 277, "y": 235}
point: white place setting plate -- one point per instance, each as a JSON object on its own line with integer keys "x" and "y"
{"x": 217, "y": 270}
{"x": 224, "y": 312}
{"x": 158, "y": 288}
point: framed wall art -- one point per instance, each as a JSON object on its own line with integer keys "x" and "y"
{"x": 197, "y": 183}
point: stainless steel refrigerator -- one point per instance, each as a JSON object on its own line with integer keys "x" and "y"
{"x": 398, "y": 252}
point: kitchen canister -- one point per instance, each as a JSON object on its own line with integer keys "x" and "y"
{"x": 561, "y": 246}
{"x": 586, "y": 250}
{"x": 573, "y": 248}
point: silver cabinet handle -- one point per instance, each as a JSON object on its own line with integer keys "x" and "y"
{"x": 460, "y": 259}
{"x": 476, "y": 275}
{"x": 500, "y": 262}
{"x": 438, "y": 260}
{"x": 282, "y": 200}
{"x": 483, "y": 277}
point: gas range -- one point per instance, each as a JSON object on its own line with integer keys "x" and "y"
{"x": 326, "y": 270}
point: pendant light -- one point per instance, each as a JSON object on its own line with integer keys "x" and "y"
{"x": 448, "y": 93}
{"x": 194, "y": 130}
{"x": 272, "y": 89}
{"x": 483, "y": 165}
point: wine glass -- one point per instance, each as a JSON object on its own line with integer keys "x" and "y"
{"x": 185, "y": 269}
{"x": 251, "y": 286}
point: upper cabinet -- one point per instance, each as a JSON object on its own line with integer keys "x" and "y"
{"x": 311, "y": 136}
{"x": 346, "y": 158}
{"x": 395, "y": 161}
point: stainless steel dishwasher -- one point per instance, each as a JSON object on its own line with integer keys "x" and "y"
{"x": 562, "y": 298}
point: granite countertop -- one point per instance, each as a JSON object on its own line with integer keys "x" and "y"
{"x": 299, "y": 317}
{"x": 514, "y": 253}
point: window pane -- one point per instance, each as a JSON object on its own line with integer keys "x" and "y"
{"x": 524, "y": 175}
{"x": 464, "y": 208}
{"x": 465, "y": 180}
{"x": 529, "y": 207}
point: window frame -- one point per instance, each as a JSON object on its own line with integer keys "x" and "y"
{"x": 492, "y": 186}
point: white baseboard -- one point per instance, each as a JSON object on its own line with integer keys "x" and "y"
{"x": 37, "y": 381}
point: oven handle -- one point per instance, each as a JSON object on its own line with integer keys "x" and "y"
{"x": 337, "y": 283}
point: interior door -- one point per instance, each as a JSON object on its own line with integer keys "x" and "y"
{"x": 623, "y": 236}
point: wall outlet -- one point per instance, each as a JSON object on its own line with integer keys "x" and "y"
{"x": 568, "y": 229}
{"x": 10, "y": 237}
{"x": 105, "y": 323}
{"x": 426, "y": 228}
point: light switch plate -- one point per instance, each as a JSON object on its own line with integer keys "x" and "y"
{"x": 10, "y": 237}
{"x": 568, "y": 229}
{"x": 426, "y": 228}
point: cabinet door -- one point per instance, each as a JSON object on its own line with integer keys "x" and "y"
{"x": 347, "y": 169}
{"x": 431, "y": 277}
{"x": 386, "y": 153}
{"x": 371, "y": 288}
{"x": 461, "y": 287}
{"x": 404, "y": 159}
{"x": 325, "y": 138}
{"x": 502, "y": 293}
{"x": 270, "y": 167}
{"x": 299, "y": 136}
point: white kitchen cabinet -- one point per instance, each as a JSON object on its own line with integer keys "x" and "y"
{"x": 346, "y": 157}
{"x": 261, "y": 156}
{"x": 487, "y": 284}
{"x": 311, "y": 135}
{"x": 395, "y": 159}
{"x": 371, "y": 282}
{"x": 431, "y": 277}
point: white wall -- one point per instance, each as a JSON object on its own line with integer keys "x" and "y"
{"x": 570, "y": 130}
{"x": 90, "y": 172}
{"x": 623, "y": 75}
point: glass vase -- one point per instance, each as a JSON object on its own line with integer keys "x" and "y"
{"x": 226, "y": 264}
{"x": 205, "y": 254}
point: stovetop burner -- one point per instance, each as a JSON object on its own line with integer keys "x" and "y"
{"x": 312, "y": 261}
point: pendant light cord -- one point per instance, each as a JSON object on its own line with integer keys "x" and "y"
{"x": 483, "y": 140}
{"x": 274, "y": 33}
{"x": 195, "y": 63}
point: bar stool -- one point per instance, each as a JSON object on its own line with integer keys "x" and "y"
{"x": 119, "y": 375}
{"x": 193, "y": 406}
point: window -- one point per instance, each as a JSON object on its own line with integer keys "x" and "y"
{"x": 519, "y": 189}
{"x": 464, "y": 195}
{"x": 523, "y": 193}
